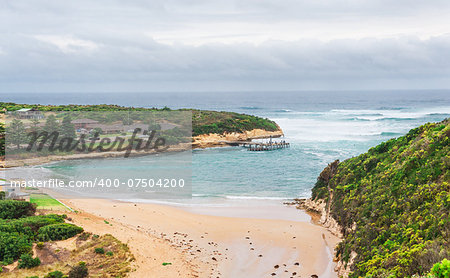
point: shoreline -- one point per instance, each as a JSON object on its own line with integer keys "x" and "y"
{"x": 233, "y": 246}
{"x": 199, "y": 142}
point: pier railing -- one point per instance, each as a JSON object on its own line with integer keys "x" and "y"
{"x": 258, "y": 146}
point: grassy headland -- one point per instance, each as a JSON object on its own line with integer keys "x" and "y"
{"x": 203, "y": 121}
{"x": 392, "y": 204}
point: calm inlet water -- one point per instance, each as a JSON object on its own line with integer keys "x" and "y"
{"x": 321, "y": 127}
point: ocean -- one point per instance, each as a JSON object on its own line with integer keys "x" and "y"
{"x": 321, "y": 127}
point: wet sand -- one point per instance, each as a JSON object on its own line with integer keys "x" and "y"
{"x": 202, "y": 243}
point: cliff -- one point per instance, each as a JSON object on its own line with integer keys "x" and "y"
{"x": 390, "y": 205}
{"x": 217, "y": 140}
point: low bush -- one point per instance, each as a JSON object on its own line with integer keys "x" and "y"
{"x": 27, "y": 261}
{"x": 84, "y": 236}
{"x": 442, "y": 269}
{"x": 54, "y": 274}
{"x": 18, "y": 230}
{"x": 79, "y": 271}
{"x": 99, "y": 250}
{"x": 59, "y": 231}
{"x": 40, "y": 245}
{"x": 10, "y": 209}
{"x": 12, "y": 245}
{"x": 29, "y": 226}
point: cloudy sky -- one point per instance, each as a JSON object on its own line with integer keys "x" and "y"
{"x": 223, "y": 45}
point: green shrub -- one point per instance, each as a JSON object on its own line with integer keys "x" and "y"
{"x": 109, "y": 253}
{"x": 40, "y": 245}
{"x": 99, "y": 250}
{"x": 12, "y": 245}
{"x": 18, "y": 232}
{"x": 54, "y": 274}
{"x": 59, "y": 231}
{"x": 29, "y": 225}
{"x": 79, "y": 271}
{"x": 27, "y": 261}
{"x": 393, "y": 204}
{"x": 84, "y": 236}
{"x": 10, "y": 209}
{"x": 442, "y": 269}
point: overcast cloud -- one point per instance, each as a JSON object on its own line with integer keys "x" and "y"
{"x": 211, "y": 45}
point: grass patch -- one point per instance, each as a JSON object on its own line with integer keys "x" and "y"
{"x": 44, "y": 201}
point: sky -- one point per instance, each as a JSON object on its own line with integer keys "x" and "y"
{"x": 216, "y": 45}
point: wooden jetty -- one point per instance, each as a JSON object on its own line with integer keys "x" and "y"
{"x": 259, "y": 146}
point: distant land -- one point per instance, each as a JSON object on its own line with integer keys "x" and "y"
{"x": 209, "y": 128}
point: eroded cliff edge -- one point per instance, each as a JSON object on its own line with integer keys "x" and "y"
{"x": 218, "y": 140}
{"x": 321, "y": 208}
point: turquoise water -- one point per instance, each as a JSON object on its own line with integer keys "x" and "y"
{"x": 321, "y": 127}
{"x": 317, "y": 138}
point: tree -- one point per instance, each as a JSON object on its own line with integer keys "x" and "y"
{"x": 97, "y": 130}
{"x": 127, "y": 121}
{"x": 16, "y": 133}
{"x": 51, "y": 124}
{"x": 67, "y": 128}
{"x": 154, "y": 126}
{"x": 34, "y": 123}
{"x": 2, "y": 139}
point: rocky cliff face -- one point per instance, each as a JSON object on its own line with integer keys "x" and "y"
{"x": 326, "y": 220}
{"x": 322, "y": 208}
{"x": 217, "y": 140}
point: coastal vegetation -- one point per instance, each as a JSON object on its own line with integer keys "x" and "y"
{"x": 21, "y": 230}
{"x": 203, "y": 122}
{"x": 392, "y": 204}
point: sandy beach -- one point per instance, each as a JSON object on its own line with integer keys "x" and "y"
{"x": 200, "y": 245}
